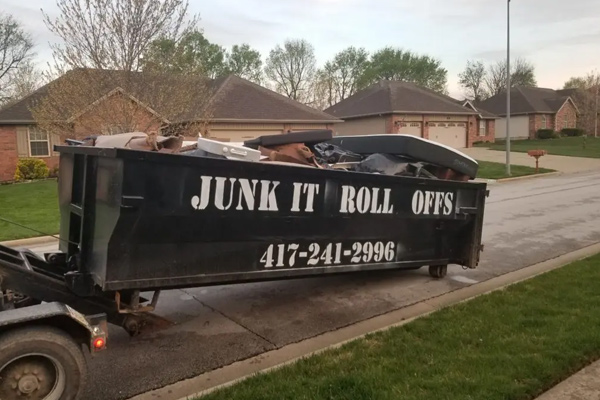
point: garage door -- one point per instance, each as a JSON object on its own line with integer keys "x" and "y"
{"x": 410, "y": 128}
{"x": 453, "y": 134}
{"x": 240, "y": 135}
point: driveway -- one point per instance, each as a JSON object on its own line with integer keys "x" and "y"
{"x": 558, "y": 163}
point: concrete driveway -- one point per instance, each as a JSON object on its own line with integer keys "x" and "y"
{"x": 558, "y": 163}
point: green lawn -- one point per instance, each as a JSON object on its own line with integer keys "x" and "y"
{"x": 508, "y": 345}
{"x": 32, "y": 204}
{"x": 567, "y": 146}
{"x": 494, "y": 170}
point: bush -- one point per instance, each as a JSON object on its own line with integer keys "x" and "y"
{"x": 572, "y": 132}
{"x": 546, "y": 134}
{"x": 53, "y": 173}
{"x": 30, "y": 169}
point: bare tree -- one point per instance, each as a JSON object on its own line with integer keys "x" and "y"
{"x": 292, "y": 68}
{"x": 522, "y": 74}
{"x": 101, "y": 89}
{"x": 108, "y": 34}
{"x": 495, "y": 80}
{"x": 472, "y": 80}
{"x": 87, "y": 102}
{"x": 15, "y": 49}
{"x": 586, "y": 97}
{"x": 24, "y": 81}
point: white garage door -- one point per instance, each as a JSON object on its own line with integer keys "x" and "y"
{"x": 410, "y": 128}
{"x": 453, "y": 134}
{"x": 239, "y": 135}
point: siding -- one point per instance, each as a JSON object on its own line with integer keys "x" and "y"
{"x": 362, "y": 126}
{"x": 519, "y": 127}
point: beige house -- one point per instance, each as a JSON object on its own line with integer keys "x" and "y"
{"x": 402, "y": 107}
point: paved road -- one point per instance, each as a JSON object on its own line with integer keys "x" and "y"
{"x": 526, "y": 222}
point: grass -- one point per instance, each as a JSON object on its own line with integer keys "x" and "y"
{"x": 566, "y": 146}
{"x": 494, "y": 170}
{"x": 32, "y": 204}
{"x": 508, "y": 345}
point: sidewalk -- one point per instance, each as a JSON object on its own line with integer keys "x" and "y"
{"x": 584, "y": 385}
{"x": 558, "y": 163}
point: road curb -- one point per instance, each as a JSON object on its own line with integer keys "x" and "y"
{"x": 240, "y": 370}
{"x": 518, "y": 178}
{"x": 30, "y": 241}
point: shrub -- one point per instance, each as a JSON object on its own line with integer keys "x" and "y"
{"x": 572, "y": 132}
{"x": 53, "y": 173}
{"x": 30, "y": 169}
{"x": 546, "y": 134}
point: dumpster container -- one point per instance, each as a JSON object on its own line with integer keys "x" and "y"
{"x": 139, "y": 220}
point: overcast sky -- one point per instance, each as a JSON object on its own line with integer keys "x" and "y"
{"x": 560, "y": 37}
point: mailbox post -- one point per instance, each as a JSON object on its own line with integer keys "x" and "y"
{"x": 537, "y": 154}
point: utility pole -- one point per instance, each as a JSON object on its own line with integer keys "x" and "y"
{"x": 596, "y": 108}
{"x": 508, "y": 87}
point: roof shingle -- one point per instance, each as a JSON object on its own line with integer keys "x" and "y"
{"x": 232, "y": 99}
{"x": 526, "y": 100}
{"x": 386, "y": 97}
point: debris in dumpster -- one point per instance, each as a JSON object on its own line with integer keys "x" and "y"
{"x": 388, "y": 154}
{"x": 226, "y": 150}
{"x": 413, "y": 147}
{"x": 332, "y": 154}
{"x": 295, "y": 153}
{"x": 388, "y": 164}
{"x": 139, "y": 141}
{"x": 306, "y": 137}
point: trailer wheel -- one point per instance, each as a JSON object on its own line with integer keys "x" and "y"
{"x": 438, "y": 271}
{"x": 41, "y": 363}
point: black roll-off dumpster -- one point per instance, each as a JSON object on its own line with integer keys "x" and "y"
{"x": 139, "y": 220}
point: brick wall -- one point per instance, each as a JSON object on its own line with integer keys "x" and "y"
{"x": 474, "y": 136}
{"x": 566, "y": 117}
{"x": 96, "y": 119}
{"x": 8, "y": 152}
{"x": 536, "y": 122}
{"x": 472, "y": 130}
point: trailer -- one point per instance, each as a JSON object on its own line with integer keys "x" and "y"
{"x": 135, "y": 221}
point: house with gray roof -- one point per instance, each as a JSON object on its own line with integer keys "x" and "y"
{"x": 532, "y": 109}
{"x": 239, "y": 110}
{"x": 406, "y": 108}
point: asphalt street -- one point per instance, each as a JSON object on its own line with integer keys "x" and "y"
{"x": 526, "y": 222}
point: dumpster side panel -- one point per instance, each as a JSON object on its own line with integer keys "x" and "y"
{"x": 188, "y": 221}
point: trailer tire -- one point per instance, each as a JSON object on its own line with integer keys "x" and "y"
{"x": 438, "y": 271}
{"x": 42, "y": 362}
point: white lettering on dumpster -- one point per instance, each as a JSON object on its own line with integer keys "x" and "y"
{"x": 365, "y": 200}
{"x": 310, "y": 190}
{"x": 238, "y": 193}
{"x": 432, "y": 203}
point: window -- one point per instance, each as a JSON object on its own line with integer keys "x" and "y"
{"x": 482, "y": 131}
{"x": 39, "y": 145}
{"x": 566, "y": 122}
{"x": 544, "y": 126}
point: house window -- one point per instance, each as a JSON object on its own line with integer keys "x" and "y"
{"x": 566, "y": 122}
{"x": 482, "y": 131}
{"x": 39, "y": 145}
{"x": 544, "y": 126}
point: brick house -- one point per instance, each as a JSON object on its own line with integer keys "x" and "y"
{"x": 240, "y": 110}
{"x": 531, "y": 109}
{"x": 402, "y": 107}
